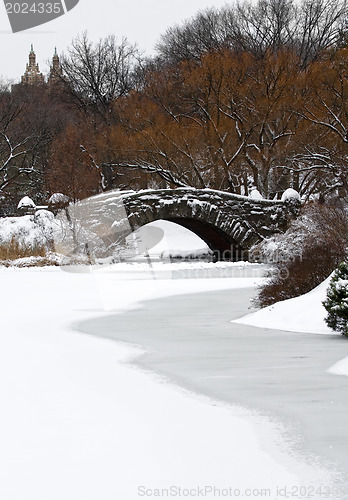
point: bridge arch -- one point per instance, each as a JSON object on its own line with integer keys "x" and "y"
{"x": 229, "y": 224}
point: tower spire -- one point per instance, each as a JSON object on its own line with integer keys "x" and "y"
{"x": 55, "y": 77}
{"x": 32, "y": 74}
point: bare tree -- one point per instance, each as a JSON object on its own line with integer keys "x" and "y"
{"x": 24, "y": 141}
{"x": 310, "y": 27}
{"x": 319, "y": 27}
{"x": 323, "y": 158}
{"x": 203, "y": 33}
{"x": 97, "y": 74}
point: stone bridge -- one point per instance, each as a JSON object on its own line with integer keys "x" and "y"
{"x": 229, "y": 224}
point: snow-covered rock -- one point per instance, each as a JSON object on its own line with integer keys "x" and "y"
{"x": 26, "y": 202}
{"x": 43, "y": 216}
{"x": 255, "y": 194}
{"x": 291, "y": 194}
{"x": 58, "y": 199}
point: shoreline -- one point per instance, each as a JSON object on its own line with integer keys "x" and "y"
{"x": 174, "y": 359}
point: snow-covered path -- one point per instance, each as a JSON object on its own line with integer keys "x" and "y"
{"x": 78, "y": 423}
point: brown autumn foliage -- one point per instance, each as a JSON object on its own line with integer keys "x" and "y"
{"x": 217, "y": 124}
{"x": 234, "y": 121}
{"x": 70, "y": 168}
{"x": 231, "y": 119}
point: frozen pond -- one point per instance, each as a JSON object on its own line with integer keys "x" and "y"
{"x": 190, "y": 340}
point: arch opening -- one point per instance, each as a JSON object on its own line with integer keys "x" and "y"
{"x": 224, "y": 248}
{"x": 177, "y": 242}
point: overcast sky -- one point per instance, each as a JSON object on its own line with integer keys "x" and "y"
{"x": 141, "y": 21}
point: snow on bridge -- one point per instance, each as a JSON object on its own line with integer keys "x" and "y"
{"x": 230, "y": 224}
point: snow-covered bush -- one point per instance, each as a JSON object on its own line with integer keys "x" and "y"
{"x": 336, "y": 302}
{"x": 13, "y": 250}
{"x": 27, "y": 236}
{"x": 305, "y": 255}
{"x": 28, "y": 230}
{"x": 318, "y": 225}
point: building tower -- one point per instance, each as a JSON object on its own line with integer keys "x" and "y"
{"x": 56, "y": 72}
{"x": 32, "y": 75}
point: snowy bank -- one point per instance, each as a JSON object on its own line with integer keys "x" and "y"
{"x": 76, "y": 422}
{"x": 126, "y": 286}
{"x": 43, "y": 230}
{"x": 340, "y": 368}
{"x": 300, "y": 314}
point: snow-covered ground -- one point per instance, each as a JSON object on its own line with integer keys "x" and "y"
{"x": 143, "y": 281}
{"x": 170, "y": 240}
{"x": 340, "y": 368}
{"x": 300, "y": 314}
{"x": 76, "y": 422}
